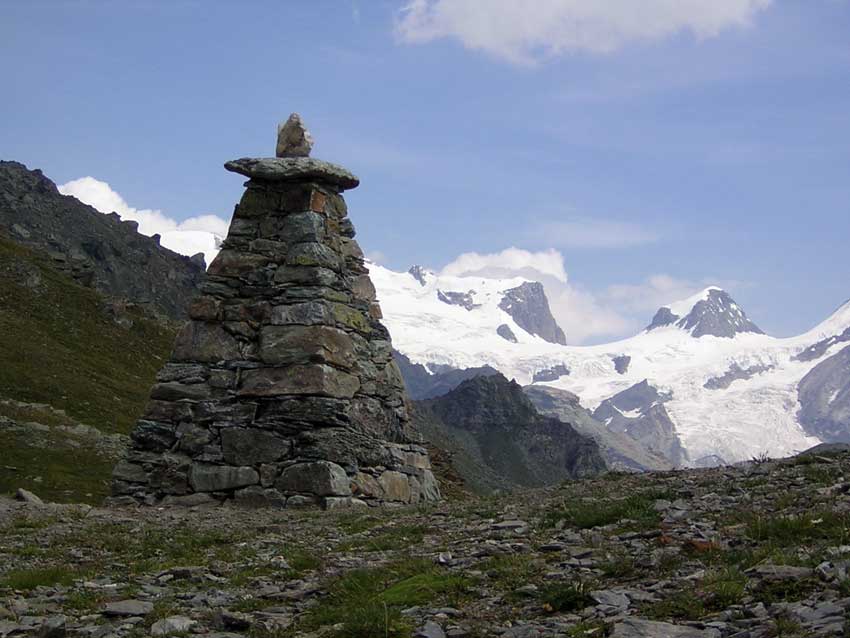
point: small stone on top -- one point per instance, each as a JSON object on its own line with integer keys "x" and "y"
{"x": 293, "y": 138}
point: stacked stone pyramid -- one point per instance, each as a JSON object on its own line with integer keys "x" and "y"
{"x": 281, "y": 390}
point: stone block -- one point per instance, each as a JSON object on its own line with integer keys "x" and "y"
{"x": 218, "y": 478}
{"x": 395, "y": 486}
{"x": 153, "y": 436}
{"x": 206, "y": 343}
{"x": 306, "y": 344}
{"x": 316, "y": 379}
{"x": 176, "y": 391}
{"x": 233, "y": 263}
{"x": 251, "y": 446}
{"x": 256, "y": 496}
{"x": 308, "y": 313}
{"x": 320, "y": 478}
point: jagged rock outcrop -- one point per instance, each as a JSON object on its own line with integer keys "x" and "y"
{"x": 639, "y": 413}
{"x": 550, "y": 374}
{"x": 505, "y": 332}
{"x": 281, "y": 389}
{"x": 99, "y": 251}
{"x": 620, "y": 450}
{"x": 501, "y": 440}
{"x": 735, "y": 373}
{"x": 529, "y": 308}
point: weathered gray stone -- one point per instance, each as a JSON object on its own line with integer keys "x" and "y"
{"x": 640, "y": 628}
{"x": 250, "y": 446}
{"x": 128, "y": 608}
{"x": 395, "y": 486}
{"x": 321, "y": 478}
{"x": 256, "y": 496}
{"x": 216, "y": 478}
{"x": 306, "y": 344}
{"x": 204, "y": 342}
{"x": 315, "y": 379}
{"x": 172, "y": 625}
{"x": 293, "y": 138}
{"x": 28, "y": 497}
{"x": 289, "y": 169}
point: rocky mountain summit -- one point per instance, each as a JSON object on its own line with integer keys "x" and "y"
{"x": 712, "y": 312}
{"x": 99, "y": 251}
{"x": 281, "y": 389}
{"x": 754, "y": 551}
{"x": 528, "y": 306}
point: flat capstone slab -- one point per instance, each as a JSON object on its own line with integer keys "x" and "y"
{"x": 291, "y": 169}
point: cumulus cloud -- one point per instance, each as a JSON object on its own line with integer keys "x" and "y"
{"x": 525, "y": 32}
{"x": 581, "y": 232}
{"x": 511, "y": 260}
{"x": 201, "y": 234}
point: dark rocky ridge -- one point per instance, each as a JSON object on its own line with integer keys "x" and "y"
{"x": 734, "y": 373}
{"x": 817, "y": 350}
{"x": 824, "y": 395}
{"x": 621, "y": 451}
{"x": 99, "y": 251}
{"x": 506, "y": 442}
{"x": 422, "y": 383}
{"x": 281, "y": 390}
{"x": 529, "y": 308}
{"x": 718, "y": 316}
{"x": 462, "y": 299}
{"x": 647, "y": 421}
{"x": 550, "y": 374}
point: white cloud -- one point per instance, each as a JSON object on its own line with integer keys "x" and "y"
{"x": 581, "y": 232}
{"x": 376, "y": 256}
{"x": 201, "y": 234}
{"x": 511, "y": 260}
{"x": 524, "y": 32}
{"x": 661, "y": 290}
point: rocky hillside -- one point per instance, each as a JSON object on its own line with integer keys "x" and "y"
{"x": 76, "y": 368}
{"x": 757, "y": 551}
{"x": 500, "y": 441}
{"x": 99, "y": 251}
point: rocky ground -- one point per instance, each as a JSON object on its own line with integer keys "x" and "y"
{"x": 753, "y": 551}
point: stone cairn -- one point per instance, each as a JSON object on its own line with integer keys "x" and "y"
{"x": 281, "y": 390}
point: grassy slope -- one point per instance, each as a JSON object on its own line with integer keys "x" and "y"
{"x": 59, "y": 346}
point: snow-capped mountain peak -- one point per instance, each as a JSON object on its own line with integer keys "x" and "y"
{"x": 710, "y": 312}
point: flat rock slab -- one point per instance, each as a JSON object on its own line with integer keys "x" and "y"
{"x": 128, "y": 608}
{"x": 639, "y": 628}
{"x": 288, "y": 169}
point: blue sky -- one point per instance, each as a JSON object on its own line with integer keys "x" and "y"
{"x": 655, "y": 151}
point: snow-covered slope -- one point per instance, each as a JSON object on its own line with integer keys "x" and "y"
{"x": 733, "y": 396}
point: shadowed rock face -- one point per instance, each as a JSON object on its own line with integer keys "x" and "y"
{"x": 639, "y": 413}
{"x": 281, "y": 389}
{"x": 528, "y": 307}
{"x": 551, "y": 374}
{"x": 817, "y": 350}
{"x": 505, "y": 332}
{"x": 505, "y": 441}
{"x": 824, "y": 395}
{"x": 621, "y": 451}
{"x": 99, "y": 251}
